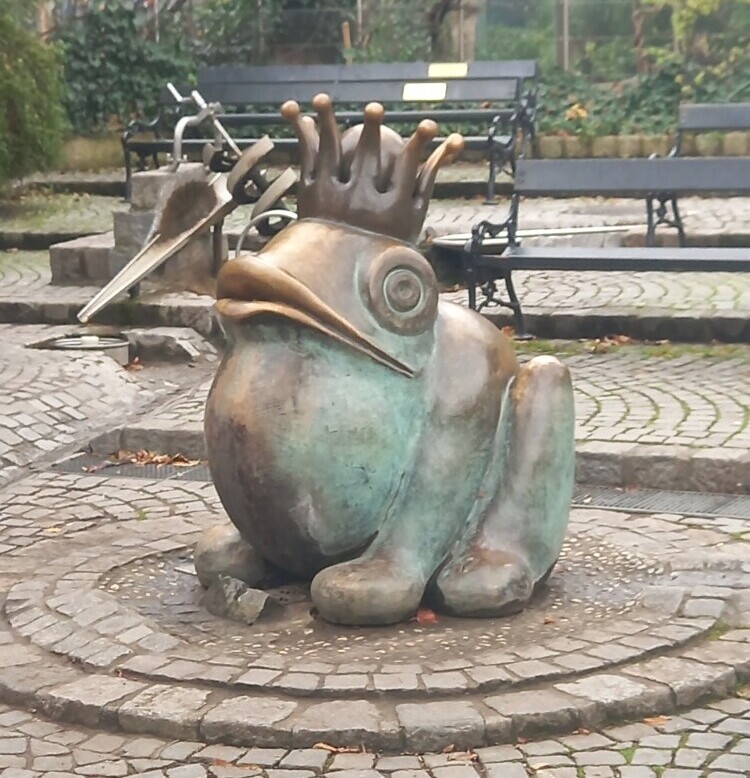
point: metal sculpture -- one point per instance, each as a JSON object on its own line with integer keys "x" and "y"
{"x": 365, "y": 434}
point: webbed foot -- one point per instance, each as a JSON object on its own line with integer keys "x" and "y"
{"x": 517, "y": 532}
{"x": 374, "y": 590}
{"x": 484, "y": 582}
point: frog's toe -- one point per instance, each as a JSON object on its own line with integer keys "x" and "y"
{"x": 487, "y": 583}
{"x": 366, "y": 591}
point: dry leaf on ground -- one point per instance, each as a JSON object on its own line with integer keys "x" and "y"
{"x": 338, "y": 749}
{"x": 425, "y": 616}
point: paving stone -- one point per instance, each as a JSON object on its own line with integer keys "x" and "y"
{"x": 688, "y": 680}
{"x": 306, "y": 757}
{"x": 352, "y": 762}
{"x": 354, "y": 722}
{"x": 169, "y": 711}
{"x": 339, "y": 774}
{"x": 265, "y": 757}
{"x": 83, "y": 700}
{"x": 455, "y": 771}
{"x": 587, "y": 758}
{"x": 710, "y": 741}
{"x": 180, "y": 751}
{"x": 532, "y": 711}
{"x": 620, "y": 697}
{"x": 114, "y": 768}
{"x": 689, "y": 757}
{"x": 433, "y": 725}
{"x": 636, "y": 771}
{"x": 651, "y": 756}
{"x": 498, "y": 754}
{"x": 242, "y": 720}
{"x": 389, "y": 764}
{"x": 737, "y": 763}
{"x": 188, "y": 771}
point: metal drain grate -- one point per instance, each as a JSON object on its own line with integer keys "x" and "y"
{"x": 97, "y": 465}
{"x": 700, "y": 504}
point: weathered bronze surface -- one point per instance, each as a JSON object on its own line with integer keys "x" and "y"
{"x": 365, "y": 434}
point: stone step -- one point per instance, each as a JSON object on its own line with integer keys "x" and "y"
{"x": 83, "y": 261}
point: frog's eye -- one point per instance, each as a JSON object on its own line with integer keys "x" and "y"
{"x": 402, "y": 290}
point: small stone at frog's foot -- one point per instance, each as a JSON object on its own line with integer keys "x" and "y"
{"x": 222, "y": 551}
{"x": 230, "y": 598}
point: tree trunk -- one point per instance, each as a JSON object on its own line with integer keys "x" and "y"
{"x": 453, "y": 29}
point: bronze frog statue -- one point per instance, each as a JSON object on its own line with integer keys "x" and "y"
{"x": 363, "y": 433}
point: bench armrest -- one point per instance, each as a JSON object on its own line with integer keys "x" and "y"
{"x": 140, "y": 125}
{"x": 488, "y": 229}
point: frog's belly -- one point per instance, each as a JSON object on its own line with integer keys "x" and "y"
{"x": 308, "y": 443}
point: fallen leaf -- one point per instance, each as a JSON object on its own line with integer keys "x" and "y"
{"x": 143, "y": 457}
{"x": 134, "y": 364}
{"x": 521, "y": 740}
{"x": 744, "y": 692}
{"x": 463, "y": 756}
{"x": 338, "y": 749}
{"x": 425, "y": 616}
{"x": 549, "y": 620}
{"x": 656, "y": 721}
{"x": 449, "y": 749}
{"x": 582, "y": 731}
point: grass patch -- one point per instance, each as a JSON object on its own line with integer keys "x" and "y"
{"x": 645, "y": 349}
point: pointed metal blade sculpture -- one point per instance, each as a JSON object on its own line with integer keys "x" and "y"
{"x": 190, "y": 209}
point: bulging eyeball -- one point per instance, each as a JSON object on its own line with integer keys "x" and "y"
{"x": 402, "y": 290}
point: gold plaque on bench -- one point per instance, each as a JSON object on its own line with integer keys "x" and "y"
{"x": 448, "y": 70}
{"x": 431, "y": 91}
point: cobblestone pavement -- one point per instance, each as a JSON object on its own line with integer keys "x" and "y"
{"x": 25, "y": 276}
{"x": 51, "y": 399}
{"x": 705, "y": 742}
{"x": 51, "y": 523}
{"x": 687, "y": 405}
{"x": 40, "y": 212}
{"x": 101, "y": 626}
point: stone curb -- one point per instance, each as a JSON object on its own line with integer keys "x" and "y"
{"x": 262, "y": 720}
{"x": 196, "y": 312}
{"x": 598, "y": 463}
{"x": 59, "y": 614}
{"x": 38, "y": 241}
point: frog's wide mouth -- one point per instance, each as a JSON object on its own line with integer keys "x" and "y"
{"x": 249, "y": 286}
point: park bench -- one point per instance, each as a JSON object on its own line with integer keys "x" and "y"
{"x": 694, "y": 118}
{"x": 493, "y": 251}
{"x": 489, "y": 94}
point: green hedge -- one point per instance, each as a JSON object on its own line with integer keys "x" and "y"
{"x": 113, "y": 73}
{"x": 31, "y": 113}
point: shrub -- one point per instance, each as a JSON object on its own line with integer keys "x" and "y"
{"x": 112, "y": 72}
{"x": 31, "y": 114}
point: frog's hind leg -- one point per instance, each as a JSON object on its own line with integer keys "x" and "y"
{"x": 517, "y": 533}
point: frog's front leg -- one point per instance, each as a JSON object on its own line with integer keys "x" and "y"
{"x": 386, "y": 584}
{"x": 517, "y": 535}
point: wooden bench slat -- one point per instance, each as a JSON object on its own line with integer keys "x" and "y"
{"x": 403, "y": 71}
{"x": 620, "y": 258}
{"x": 703, "y": 117}
{"x": 274, "y": 94}
{"x": 632, "y": 177}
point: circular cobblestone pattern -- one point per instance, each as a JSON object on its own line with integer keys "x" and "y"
{"x": 644, "y": 615}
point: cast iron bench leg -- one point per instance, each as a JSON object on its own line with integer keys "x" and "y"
{"x": 515, "y": 306}
{"x": 651, "y": 227}
{"x": 471, "y": 279}
{"x": 491, "y": 179}
{"x": 677, "y": 219}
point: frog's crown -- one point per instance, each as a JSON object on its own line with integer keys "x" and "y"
{"x": 368, "y": 177}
